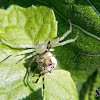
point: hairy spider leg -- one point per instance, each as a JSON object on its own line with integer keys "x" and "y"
{"x": 56, "y": 43}
{"x": 49, "y": 47}
{"x": 23, "y": 52}
{"x": 64, "y": 35}
{"x": 65, "y": 42}
{"x": 43, "y": 84}
{"x": 18, "y": 53}
{"x": 38, "y": 77}
{"x": 27, "y": 57}
{"x": 29, "y": 68}
{"x": 29, "y": 72}
{"x": 14, "y": 45}
{"x": 4, "y": 59}
{"x": 42, "y": 79}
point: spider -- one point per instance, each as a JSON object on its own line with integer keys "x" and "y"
{"x": 40, "y": 52}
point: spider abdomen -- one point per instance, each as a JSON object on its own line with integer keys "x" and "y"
{"x": 46, "y": 62}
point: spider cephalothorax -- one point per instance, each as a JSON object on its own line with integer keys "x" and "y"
{"x": 40, "y": 52}
{"x": 46, "y": 61}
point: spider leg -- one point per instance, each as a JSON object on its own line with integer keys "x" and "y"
{"x": 65, "y": 42}
{"x": 64, "y": 35}
{"x": 18, "y": 53}
{"x": 38, "y": 77}
{"x": 29, "y": 68}
{"x": 14, "y": 45}
{"x": 4, "y": 59}
{"x": 23, "y": 52}
{"x": 43, "y": 85}
{"x": 27, "y": 57}
{"x": 43, "y": 81}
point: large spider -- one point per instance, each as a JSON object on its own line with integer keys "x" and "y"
{"x": 41, "y": 53}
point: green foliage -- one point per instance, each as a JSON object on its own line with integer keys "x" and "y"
{"x": 78, "y": 57}
{"x": 24, "y": 26}
{"x": 89, "y": 87}
{"x": 58, "y": 85}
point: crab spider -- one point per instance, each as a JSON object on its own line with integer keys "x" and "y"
{"x": 40, "y": 52}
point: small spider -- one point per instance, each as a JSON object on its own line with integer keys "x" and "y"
{"x": 40, "y": 52}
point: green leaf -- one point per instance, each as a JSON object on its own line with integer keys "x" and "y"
{"x": 88, "y": 91}
{"x": 11, "y": 82}
{"x": 58, "y": 85}
{"x": 28, "y": 23}
{"x": 80, "y": 57}
{"x": 86, "y": 21}
{"x": 24, "y": 26}
{"x": 77, "y": 57}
